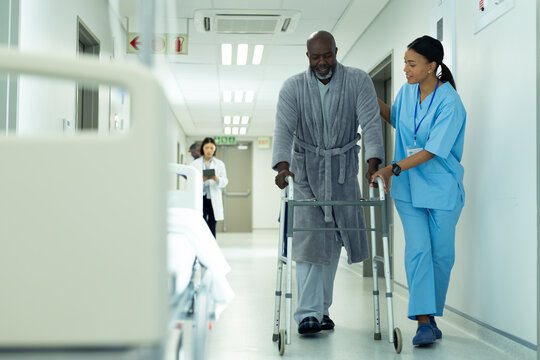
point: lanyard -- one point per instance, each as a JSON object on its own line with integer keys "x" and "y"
{"x": 416, "y": 109}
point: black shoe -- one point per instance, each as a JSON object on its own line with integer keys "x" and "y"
{"x": 309, "y": 325}
{"x": 327, "y": 323}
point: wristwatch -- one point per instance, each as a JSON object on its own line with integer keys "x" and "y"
{"x": 396, "y": 169}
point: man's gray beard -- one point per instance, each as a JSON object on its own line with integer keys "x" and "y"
{"x": 324, "y": 77}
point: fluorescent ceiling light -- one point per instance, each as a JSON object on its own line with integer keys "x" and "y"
{"x": 249, "y": 96}
{"x": 257, "y": 54}
{"x": 226, "y": 54}
{"x": 238, "y": 95}
{"x": 235, "y": 131}
{"x": 227, "y": 131}
{"x": 236, "y": 119}
{"x": 227, "y": 120}
{"x": 243, "y": 130}
{"x": 227, "y": 96}
{"x": 241, "y": 55}
{"x": 245, "y": 120}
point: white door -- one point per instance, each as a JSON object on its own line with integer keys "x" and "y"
{"x": 237, "y": 196}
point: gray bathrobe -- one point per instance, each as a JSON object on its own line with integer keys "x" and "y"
{"x": 327, "y": 173}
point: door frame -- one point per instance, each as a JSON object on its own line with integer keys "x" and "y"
{"x": 87, "y": 99}
{"x": 9, "y": 83}
{"x": 383, "y": 72}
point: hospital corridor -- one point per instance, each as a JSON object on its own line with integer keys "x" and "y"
{"x": 248, "y": 179}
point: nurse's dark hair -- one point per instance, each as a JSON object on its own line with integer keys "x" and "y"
{"x": 432, "y": 50}
{"x": 208, "y": 140}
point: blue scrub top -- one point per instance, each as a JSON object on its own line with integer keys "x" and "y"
{"x": 437, "y": 183}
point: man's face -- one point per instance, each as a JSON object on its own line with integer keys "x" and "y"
{"x": 322, "y": 58}
{"x": 195, "y": 152}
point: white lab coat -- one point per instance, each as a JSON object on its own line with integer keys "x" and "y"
{"x": 215, "y": 187}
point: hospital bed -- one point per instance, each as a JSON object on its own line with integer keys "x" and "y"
{"x": 85, "y": 228}
{"x": 199, "y": 288}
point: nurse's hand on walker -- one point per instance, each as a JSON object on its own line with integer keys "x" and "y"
{"x": 373, "y": 166}
{"x": 385, "y": 174}
{"x": 283, "y": 172}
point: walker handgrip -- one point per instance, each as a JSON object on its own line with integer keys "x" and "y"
{"x": 289, "y": 180}
{"x": 380, "y": 182}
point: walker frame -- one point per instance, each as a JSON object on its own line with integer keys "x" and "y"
{"x": 283, "y": 336}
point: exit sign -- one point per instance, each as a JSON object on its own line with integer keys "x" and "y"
{"x": 225, "y": 140}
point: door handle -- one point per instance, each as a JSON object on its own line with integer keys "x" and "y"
{"x": 238, "y": 194}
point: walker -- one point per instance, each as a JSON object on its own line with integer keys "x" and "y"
{"x": 283, "y": 335}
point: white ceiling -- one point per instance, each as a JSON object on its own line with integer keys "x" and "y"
{"x": 195, "y": 82}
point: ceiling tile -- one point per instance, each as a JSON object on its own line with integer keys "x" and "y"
{"x": 186, "y": 8}
{"x": 206, "y": 117}
{"x": 240, "y": 77}
{"x": 285, "y": 55}
{"x": 195, "y": 73}
{"x": 198, "y": 54}
{"x": 247, "y": 4}
{"x": 318, "y": 9}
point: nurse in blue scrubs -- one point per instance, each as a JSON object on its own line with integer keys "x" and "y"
{"x": 427, "y": 183}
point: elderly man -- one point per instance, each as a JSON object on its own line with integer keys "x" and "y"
{"x": 316, "y": 134}
{"x": 195, "y": 150}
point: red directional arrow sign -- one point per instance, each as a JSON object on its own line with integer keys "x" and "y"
{"x": 135, "y": 42}
{"x": 161, "y": 44}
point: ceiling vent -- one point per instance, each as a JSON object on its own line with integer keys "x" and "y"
{"x": 246, "y": 21}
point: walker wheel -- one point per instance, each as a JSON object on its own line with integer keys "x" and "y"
{"x": 398, "y": 340}
{"x": 281, "y": 341}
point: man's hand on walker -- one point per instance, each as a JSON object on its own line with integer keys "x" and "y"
{"x": 373, "y": 166}
{"x": 280, "y": 178}
{"x": 283, "y": 172}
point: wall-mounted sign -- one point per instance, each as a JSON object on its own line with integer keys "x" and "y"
{"x": 161, "y": 44}
{"x": 263, "y": 142}
{"x": 225, "y": 140}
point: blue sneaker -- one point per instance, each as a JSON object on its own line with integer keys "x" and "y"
{"x": 438, "y": 332}
{"x": 424, "y": 335}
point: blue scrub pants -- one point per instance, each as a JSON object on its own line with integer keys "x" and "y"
{"x": 316, "y": 286}
{"x": 429, "y": 255}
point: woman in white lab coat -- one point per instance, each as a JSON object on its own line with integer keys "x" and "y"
{"x": 212, "y": 196}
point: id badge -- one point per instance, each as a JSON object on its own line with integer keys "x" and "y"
{"x": 411, "y": 150}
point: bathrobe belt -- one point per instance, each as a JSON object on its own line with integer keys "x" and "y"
{"x": 328, "y": 154}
